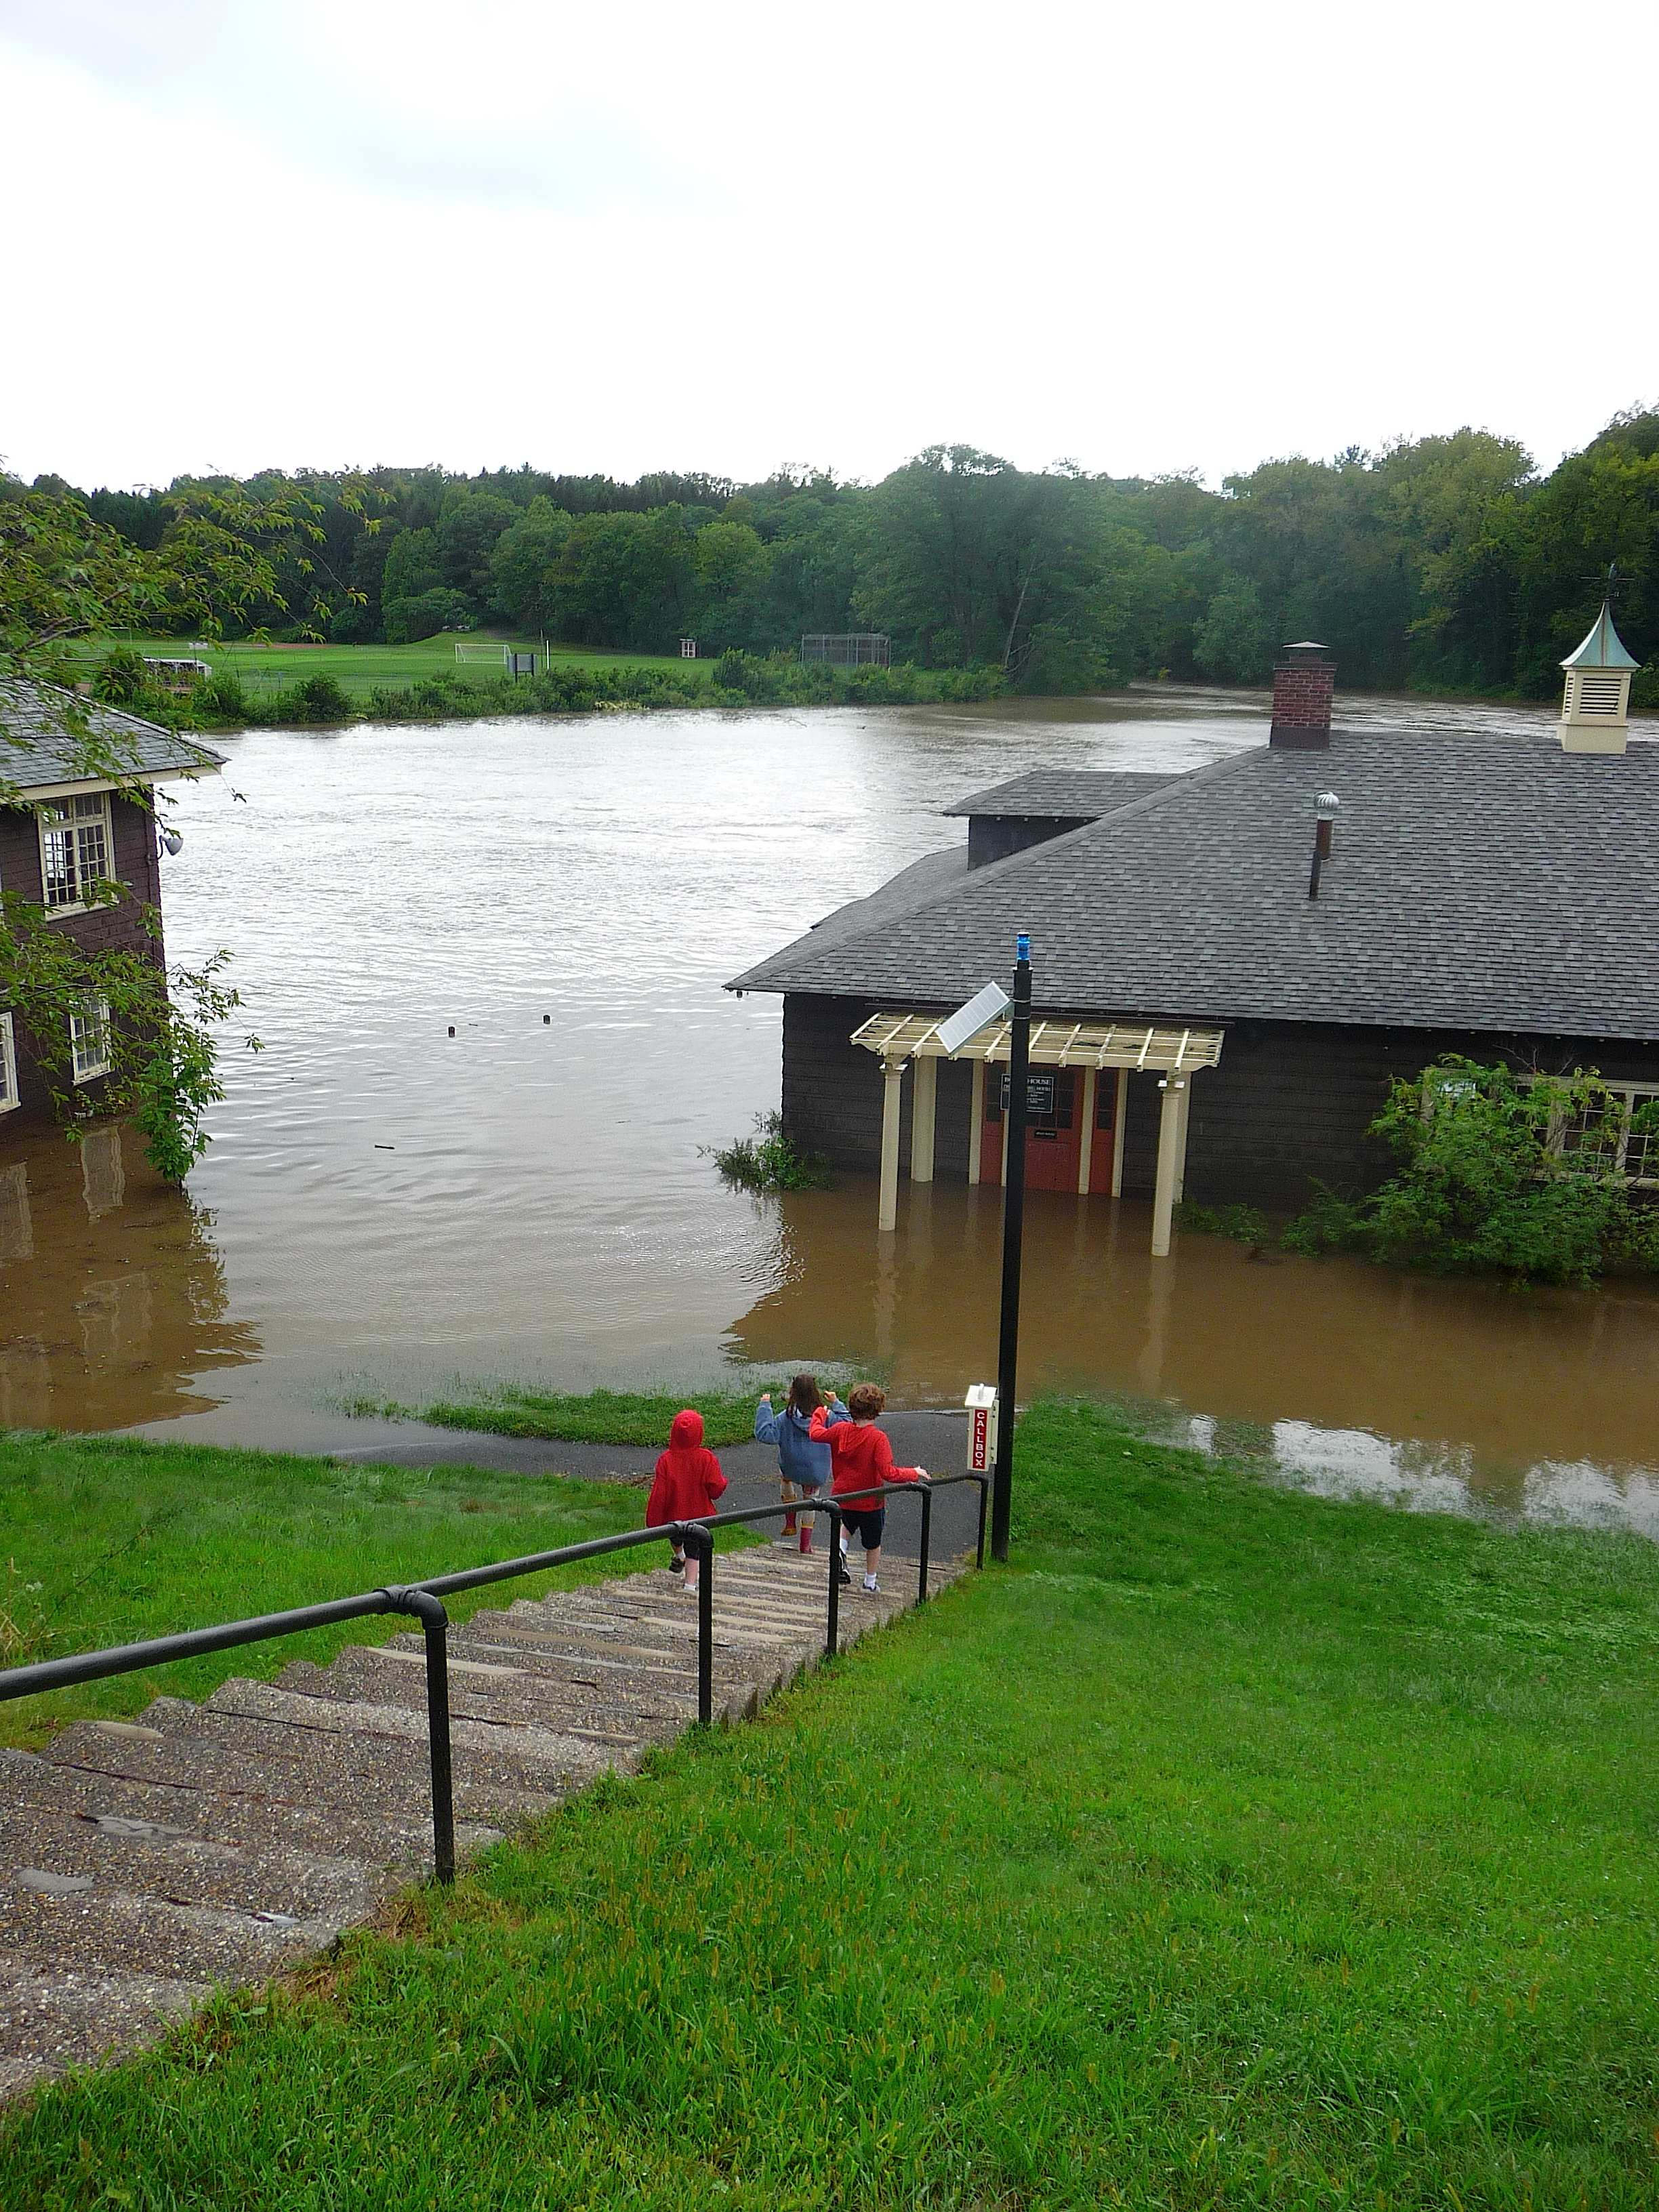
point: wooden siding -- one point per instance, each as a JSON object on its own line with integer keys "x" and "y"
{"x": 1289, "y": 1102}
{"x": 995, "y": 837}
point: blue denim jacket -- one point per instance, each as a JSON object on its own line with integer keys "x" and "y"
{"x": 800, "y": 1460}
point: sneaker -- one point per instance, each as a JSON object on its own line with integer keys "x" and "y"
{"x": 842, "y": 1577}
{"x": 677, "y": 1567}
{"x": 872, "y": 1586}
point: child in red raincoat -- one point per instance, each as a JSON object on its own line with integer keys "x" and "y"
{"x": 863, "y": 1461}
{"x": 688, "y": 1481}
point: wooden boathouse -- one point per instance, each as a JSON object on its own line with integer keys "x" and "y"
{"x": 1208, "y": 1022}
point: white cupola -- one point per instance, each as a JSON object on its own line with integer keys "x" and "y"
{"x": 1594, "y": 711}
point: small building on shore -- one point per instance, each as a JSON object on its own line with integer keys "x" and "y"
{"x": 77, "y": 785}
{"x": 1203, "y": 995}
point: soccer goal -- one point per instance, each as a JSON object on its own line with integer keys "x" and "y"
{"x": 482, "y": 653}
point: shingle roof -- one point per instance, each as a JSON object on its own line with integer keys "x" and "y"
{"x": 37, "y": 749}
{"x": 1062, "y": 794}
{"x": 1478, "y": 881}
{"x": 922, "y": 880}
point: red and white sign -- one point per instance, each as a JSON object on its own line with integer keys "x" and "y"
{"x": 982, "y": 1428}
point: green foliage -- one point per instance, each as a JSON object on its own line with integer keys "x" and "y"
{"x": 123, "y": 679}
{"x": 1502, "y": 1173}
{"x": 161, "y": 1043}
{"x": 1444, "y": 562}
{"x": 640, "y": 1419}
{"x": 1328, "y": 1223}
{"x": 1232, "y": 1848}
{"x": 769, "y": 1160}
{"x": 1243, "y": 1225}
{"x": 112, "y": 1540}
{"x": 406, "y": 621}
{"x": 317, "y": 699}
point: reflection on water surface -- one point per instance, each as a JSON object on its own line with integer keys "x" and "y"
{"x": 385, "y": 1207}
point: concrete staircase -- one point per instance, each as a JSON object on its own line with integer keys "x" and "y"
{"x": 144, "y": 1863}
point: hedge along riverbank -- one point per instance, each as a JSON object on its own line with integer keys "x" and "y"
{"x": 735, "y": 679}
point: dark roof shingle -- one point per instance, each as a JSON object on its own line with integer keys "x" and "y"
{"x": 1479, "y": 881}
{"x": 1062, "y": 794}
{"x": 37, "y": 748}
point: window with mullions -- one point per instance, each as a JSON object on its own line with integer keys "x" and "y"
{"x": 76, "y": 845}
{"x": 9, "y": 1097}
{"x": 1612, "y": 1135}
{"x": 89, "y": 1040}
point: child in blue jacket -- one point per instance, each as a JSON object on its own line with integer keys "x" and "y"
{"x": 802, "y": 1466}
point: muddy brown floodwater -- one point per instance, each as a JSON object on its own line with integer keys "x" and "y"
{"x": 386, "y": 1209}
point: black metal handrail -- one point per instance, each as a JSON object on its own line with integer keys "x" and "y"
{"x": 423, "y": 1602}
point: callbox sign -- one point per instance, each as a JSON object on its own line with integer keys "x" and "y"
{"x": 1039, "y": 1095}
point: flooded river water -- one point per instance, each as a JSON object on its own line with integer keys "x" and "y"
{"x": 386, "y": 1208}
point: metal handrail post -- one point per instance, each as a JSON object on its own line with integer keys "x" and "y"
{"x": 832, "y": 1629}
{"x": 434, "y": 1626}
{"x": 699, "y": 1544}
{"x": 927, "y": 1531}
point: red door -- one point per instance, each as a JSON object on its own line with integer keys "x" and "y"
{"x": 1053, "y": 1140}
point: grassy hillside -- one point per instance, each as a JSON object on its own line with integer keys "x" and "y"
{"x": 1231, "y": 1849}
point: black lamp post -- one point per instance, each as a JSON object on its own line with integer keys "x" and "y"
{"x": 1013, "y": 1222}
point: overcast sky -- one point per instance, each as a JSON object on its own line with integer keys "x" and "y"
{"x": 278, "y": 233}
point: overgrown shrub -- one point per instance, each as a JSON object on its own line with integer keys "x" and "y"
{"x": 317, "y": 699}
{"x": 769, "y": 1160}
{"x": 1243, "y": 1225}
{"x": 1501, "y": 1172}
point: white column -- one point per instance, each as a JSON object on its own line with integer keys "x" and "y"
{"x": 1090, "y": 1079}
{"x": 1119, "y": 1123}
{"x": 924, "y": 1095}
{"x": 1181, "y": 1142}
{"x": 892, "y": 1079}
{"x": 1169, "y": 1164}
{"x": 976, "y": 1121}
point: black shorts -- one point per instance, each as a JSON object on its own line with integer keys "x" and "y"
{"x": 866, "y": 1527}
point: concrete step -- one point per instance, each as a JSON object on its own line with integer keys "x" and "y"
{"x": 264, "y": 1762}
{"x": 117, "y": 1852}
{"x": 541, "y": 1758}
{"x": 507, "y": 1699}
{"x": 143, "y": 1863}
{"x": 55, "y": 2017}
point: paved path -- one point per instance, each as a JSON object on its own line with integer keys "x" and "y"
{"x": 141, "y": 1864}
{"x": 933, "y": 1440}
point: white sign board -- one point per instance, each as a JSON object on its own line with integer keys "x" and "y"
{"x": 983, "y": 1008}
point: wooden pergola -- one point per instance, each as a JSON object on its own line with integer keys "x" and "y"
{"x": 1172, "y": 1055}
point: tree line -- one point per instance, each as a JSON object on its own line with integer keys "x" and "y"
{"x": 1447, "y": 564}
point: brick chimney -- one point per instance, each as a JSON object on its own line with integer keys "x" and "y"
{"x": 1304, "y": 681}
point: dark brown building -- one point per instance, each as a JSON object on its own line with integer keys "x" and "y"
{"x": 76, "y": 783}
{"x": 1213, "y": 1016}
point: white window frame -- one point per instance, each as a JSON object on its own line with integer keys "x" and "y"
{"x": 77, "y": 848}
{"x": 9, "y": 1100}
{"x": 1646, "y": 1175}
{"x": 90, "y": 1023}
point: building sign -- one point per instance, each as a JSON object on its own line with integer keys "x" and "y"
{"x": 1039, "y": 1095}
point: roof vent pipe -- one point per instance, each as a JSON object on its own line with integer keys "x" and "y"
{"x": 1325, "y": 808}
{"x": 1304, "y": 681}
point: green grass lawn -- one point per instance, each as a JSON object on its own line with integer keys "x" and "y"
{"x": 639, "y": 1417}
{"x": 104, "y": 1540}
{"x": 1232, "y": 1848}
{"x": 360, "y": 668}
